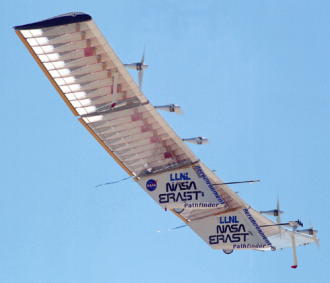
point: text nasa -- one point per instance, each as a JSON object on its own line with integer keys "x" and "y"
{"x": 180, "y": 188}
{"x": 228, "y": 230}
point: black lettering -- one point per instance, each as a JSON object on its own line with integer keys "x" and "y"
{"x": 227, "y": 238}
{"x": 197, "y": 193}
{"x": 163, "y": 198}
{"x": 222, "y": 229}
{"x": 188, "y": 196}
{"x": 234, "y": 228}
{"x": 213, "y": 240}
{"x": 171, "y": 187}
{"x": 241, "y": 227}
{"x": 236, "y": 238}
{"x": 178, "y": 197}
{"x": 192, "y": 184}
{"x": 171, "y": 196}
{"x": 184, "y": 186}
{"x": 244, "y": 235}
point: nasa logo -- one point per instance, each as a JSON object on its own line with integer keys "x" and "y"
{"x": 151, "y": 185}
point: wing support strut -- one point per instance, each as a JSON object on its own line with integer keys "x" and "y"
{"x": 294, "y": 251}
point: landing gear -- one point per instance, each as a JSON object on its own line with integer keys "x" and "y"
{"x": 227, "y": 251}
{"x": 178, "y": 210}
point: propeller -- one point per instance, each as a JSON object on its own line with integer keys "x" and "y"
{"x": 315, "y": 238}
{"x": 278, "y": 212}
{"x": 275, "y": 212}
{"x": 139, "y": 66}
{"x": 311, "y": 231}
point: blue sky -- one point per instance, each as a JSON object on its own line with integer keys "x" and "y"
{"x": 252, "y": 76}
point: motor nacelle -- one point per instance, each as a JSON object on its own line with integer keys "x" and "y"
{"x": 295, "y": 224}
{"x": 197, "y": 140}
{"x": 309, "y": 231}
{"x": 170, "y": 108}
{"x": 137, "y": 66}
{"x": 273, "y": 212}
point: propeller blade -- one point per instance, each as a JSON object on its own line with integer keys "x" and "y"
{"x": 278, "y": 216}
{"x": 313, "y": 232}
{"x": 179, "y": 110}
{"x": 294, "y": 251}
{"x": 140, "y": 73}
{"x": 315, "y": 238}
{"x": 142, "y": 59}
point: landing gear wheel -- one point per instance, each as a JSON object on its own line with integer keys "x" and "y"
{"x": 178, "y": 210}
{"x": 227, "y": 251}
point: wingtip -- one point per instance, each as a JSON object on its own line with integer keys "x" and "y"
{"x": 68, "y": 18}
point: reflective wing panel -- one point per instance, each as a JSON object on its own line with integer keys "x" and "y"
{"x": 95, "y": 85}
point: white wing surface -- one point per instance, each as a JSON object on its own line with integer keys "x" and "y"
{"x": 93, "y": 82}
{"x": 97, "y": 88}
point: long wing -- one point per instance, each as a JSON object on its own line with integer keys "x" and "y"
{"x": 97, "y": 88}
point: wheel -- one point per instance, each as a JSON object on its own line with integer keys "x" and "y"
{"x": 227, "y": 251}
{"x": 178, "y": 210}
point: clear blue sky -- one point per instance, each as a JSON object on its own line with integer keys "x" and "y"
{"x": 252, "y": 76}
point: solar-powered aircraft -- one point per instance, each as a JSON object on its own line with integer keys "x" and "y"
{"x": 102, "y": 95}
